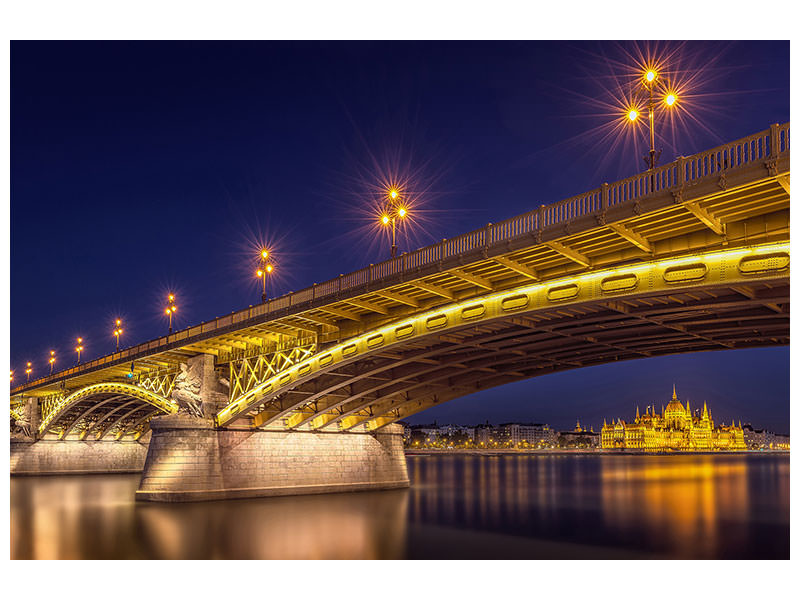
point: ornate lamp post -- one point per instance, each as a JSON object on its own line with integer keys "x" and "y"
{"x": 264, "y": 269}
{"x": 171, "y": 308}
{"x": 79, "y": 349}
{"x": 28, "y": 370}
{"x": 118, "y": 331}
{"x": 52, "y": 360}
{"x": 653, "y": 84}
{"x": 394, "y": 210}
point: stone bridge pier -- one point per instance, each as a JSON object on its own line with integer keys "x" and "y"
{"x": 188, "y": 459}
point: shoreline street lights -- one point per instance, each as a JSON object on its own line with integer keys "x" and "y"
{"x": 52, "y": 360}
{"x": 79, "y": 349}
{"x": 393, "y": 211}
{"x": 652, "y": 82}
{"x": 171, "y": 308}
{"x": 28, "y": 370}
{"x": 264, "y": 269}
{"x": 12, "y": 375}
{"x": 118, "y": 332}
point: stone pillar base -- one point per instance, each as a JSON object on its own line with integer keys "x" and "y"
{"x": 188, "y": 460}
{"x": 71, "y": 457}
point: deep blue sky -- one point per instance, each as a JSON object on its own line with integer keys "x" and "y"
{"x": 143, "y": 167}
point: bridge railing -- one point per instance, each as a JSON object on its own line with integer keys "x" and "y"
{"x": 761, "y": 146}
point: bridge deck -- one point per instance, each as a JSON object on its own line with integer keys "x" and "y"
{"x": 730, "y": 196}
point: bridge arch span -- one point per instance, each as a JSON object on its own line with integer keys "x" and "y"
{"x": 723, "y": 299}
{"x": 101, "y": 409}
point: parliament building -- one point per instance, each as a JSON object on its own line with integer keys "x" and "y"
{"x": 674, "y": 429}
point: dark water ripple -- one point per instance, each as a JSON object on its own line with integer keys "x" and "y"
{"x": 510, "y": 506}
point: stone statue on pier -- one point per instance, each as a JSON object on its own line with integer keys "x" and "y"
{"x": 186, "y": 391}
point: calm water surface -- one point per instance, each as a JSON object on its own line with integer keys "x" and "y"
{"x": 508, "y": 506}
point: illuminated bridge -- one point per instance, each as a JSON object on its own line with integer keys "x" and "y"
{"x": 689, "y": 257}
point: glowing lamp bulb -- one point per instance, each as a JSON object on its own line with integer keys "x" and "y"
{"x": 633, "y": 114}
{"x": 393, "y": 194}
{"x": 269, "y": 268}
{"x": 650, "y": 75}
{"x": 259, "y": 273}
{"x": 402, "y": 212}
{"x": 264, "y": 254}
{"x": 385, "y": 219}
{"x": 670, "y": 99}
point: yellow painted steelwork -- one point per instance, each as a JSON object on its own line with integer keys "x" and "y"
{"x": 164, "y": 404}
{"x": 728, "y": 267}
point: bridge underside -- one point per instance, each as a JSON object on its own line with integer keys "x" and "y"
{"x": 399, "y": 382}
{"x": 103, "y": 416}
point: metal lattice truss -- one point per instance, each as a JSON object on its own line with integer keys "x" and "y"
{"x": 159, "y": 382}
{"x": 118, "y": 409}
{"x": 704, "y": 301}
{"x": 18, "y": 409}
{"x": 250, "y": 372}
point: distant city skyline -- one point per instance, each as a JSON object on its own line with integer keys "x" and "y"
{"x": 739, "y": 394}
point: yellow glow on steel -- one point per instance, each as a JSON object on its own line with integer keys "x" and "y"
{"x": 590, "y": 278}
{"x": 164, "y": 404}
{"x": 670, "y": 99}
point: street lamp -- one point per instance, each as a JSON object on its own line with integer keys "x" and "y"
{"x": 393, "y": 211}
{"x": 52, "y": 360}
{"x": 652, "y": 84}
{"x": 79, "y": 349}
{"x": 28, "y": 370}
{"x": 264, "y": 269}
{"x": 118, "y": 331}
{"x": 171, "y": 308}
{"x": 12, "y": 375}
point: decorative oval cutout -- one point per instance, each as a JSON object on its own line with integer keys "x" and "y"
{"x": 284, "y": 378}
{"x": 515, "y": 302}
{"x": 562, "y": 292}
{"x": 776, "y": 261}
{"x": 375, "y": 341}
{"x": 325, "y": 360}
{"x": 473, "y": 312}
{"x": 436, "y": 321}
{"x": 619, "y": 283}
{"x": 348, "y": 350}
{"x": 303, "y": 369}
{"x": 235, "y": 409}
{"x": 404, "y": 330}
{"x": 681, "y": 273}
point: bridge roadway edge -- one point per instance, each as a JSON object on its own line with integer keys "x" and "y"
{"x": 189, "y": 460}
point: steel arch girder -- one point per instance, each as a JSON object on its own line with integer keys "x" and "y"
{"x": 727, "y": 267}
{"x": 123, "y": 389}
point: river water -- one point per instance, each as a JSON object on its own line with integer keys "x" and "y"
{"x": 516, "y": 506}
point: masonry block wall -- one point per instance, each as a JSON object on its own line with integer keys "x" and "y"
{"x": 50, "y": 457}
{"x": 188, "y": 460}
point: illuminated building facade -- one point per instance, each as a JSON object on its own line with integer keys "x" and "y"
{"x": 675, "y": 428}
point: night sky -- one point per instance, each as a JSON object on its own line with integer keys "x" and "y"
{"x": 143, "y": 168}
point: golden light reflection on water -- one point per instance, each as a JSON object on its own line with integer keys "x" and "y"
{"x": 687, "y": 506}
{"x": 512, "y": 506}
{"x": 96, "y": 517}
